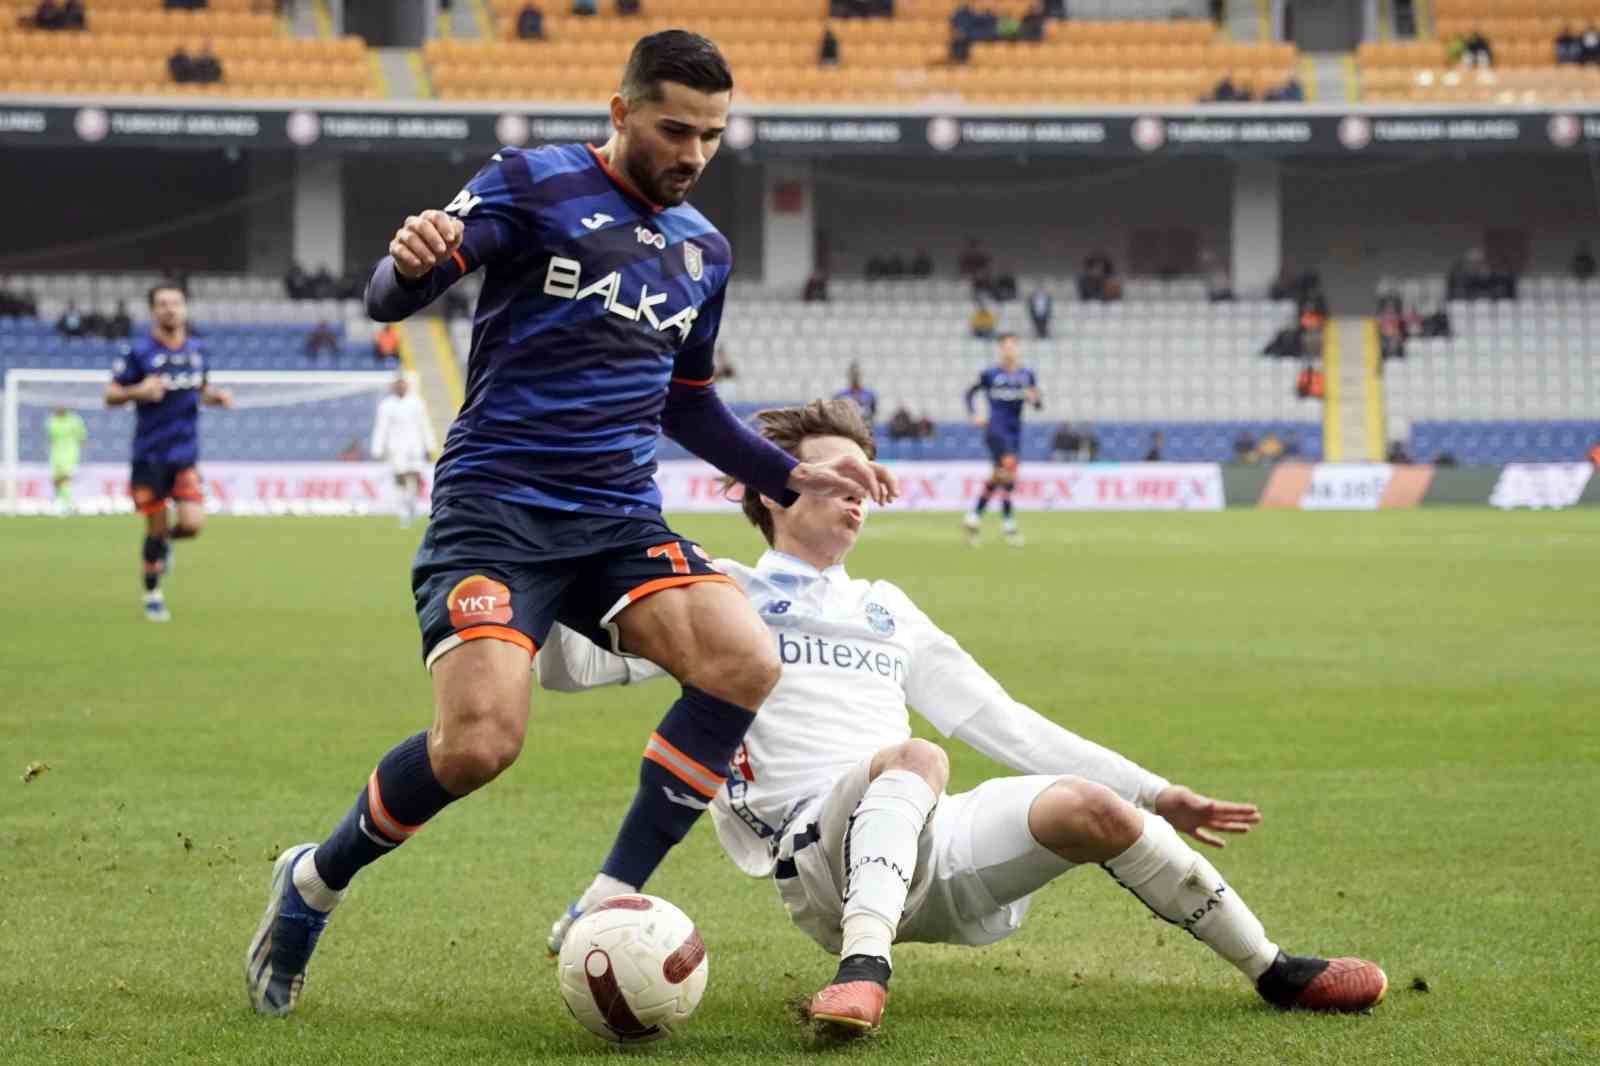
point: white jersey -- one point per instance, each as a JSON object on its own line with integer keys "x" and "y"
{"x": 401, "y": 434}
{"x": 855, "y": 654}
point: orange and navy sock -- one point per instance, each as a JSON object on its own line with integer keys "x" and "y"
{"x": 684, "y": 765}
{"x": 400, "y": 796}
{"x": 155, "y": 561}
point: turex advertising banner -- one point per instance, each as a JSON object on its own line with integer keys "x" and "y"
{"x": 231, "y": 488}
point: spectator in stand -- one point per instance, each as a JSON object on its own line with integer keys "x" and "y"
{"x": 816, "y": 290}
{"x": 828, "y": 51}
{"x": 1156, "y": 443}
{"x": 1074, "y": 445}
{"x": 120, "y": 324}
{"x": 1392, "y": 331}
{"x": 1591, "y": 45}
{"x": 184, "y": 5}
{"x": 1476, "y": 51}
{"x": 1398, "y": 453}
{"x": 73, "y": 16}
{"x": 321, "y": 339}
{"x": 922, "y": 264}
{"x": 1219, "y": 285}
{"x": 584, "y": 7}
{"x": 1041, "y": 308}
{"x": 17, "y": 305}
{"x": 1472, "y": 278}
{"x": 862, "y": 396}
{"x": 1583, "y": 263}
{"x": 1098, "y": 270}
{"x": 975, "y": 260}
{"x": 1594, "y": 453}
{"x": 70, "y": 324}
{"x": 903, "y": 425}
{"x": 206, "y": 66}
{"x": 1244, "y": 447}
{"x": 180, "y": 67}
{"x": 1290, "y": 92}
{"x": 323, "y": 285}
{"x": 628, "y": 7}
{"x": 297, "y": 283}
{"x": 1003, "y": 287}
{"x": 982, "y": 322}
{"x": 1227, "y": 92}
{"x": 1569, "y": 46}
{"x": 530, "y": 23}
{"x": 386, "y": 345}
{"x": 1310, "y": 384}
{"x": 47, "y": 16}
{"x": 1032, "y": 26}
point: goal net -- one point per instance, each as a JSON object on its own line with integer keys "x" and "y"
{"x": 294, "y": 442}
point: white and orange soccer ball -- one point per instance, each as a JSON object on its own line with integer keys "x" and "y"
{"x": 632, "y": 969}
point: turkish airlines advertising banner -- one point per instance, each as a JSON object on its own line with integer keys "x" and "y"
{"x": 927, "y": 486}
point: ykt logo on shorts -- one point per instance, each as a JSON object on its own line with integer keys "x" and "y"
{"x": 478, "y": 600}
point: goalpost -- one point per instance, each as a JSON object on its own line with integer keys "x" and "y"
{"x": 284, "y": 446}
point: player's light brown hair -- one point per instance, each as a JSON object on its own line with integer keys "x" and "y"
{"x": 787, "y": 427}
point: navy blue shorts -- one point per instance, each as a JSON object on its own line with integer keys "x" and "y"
{"x": 152, "y": 484}
{"x": 1003, "y": 444}
{"x": 487, "y": 568}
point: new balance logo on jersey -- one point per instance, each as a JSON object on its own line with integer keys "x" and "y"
{"x": 596, "y": 220}
{"x": 684, "y": 801}
{"x": 564, "y": 276}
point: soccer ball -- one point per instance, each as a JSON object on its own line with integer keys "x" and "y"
{"x": 632, "y": 969}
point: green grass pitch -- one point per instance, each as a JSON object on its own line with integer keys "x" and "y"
{"x": 1412, "y": 697}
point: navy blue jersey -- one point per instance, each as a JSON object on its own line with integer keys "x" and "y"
{"x": 1007, "y": 391}
{"x": 169, "y": 431}
{"x": 865, "y": 399}
{"x": 594, "y": 302}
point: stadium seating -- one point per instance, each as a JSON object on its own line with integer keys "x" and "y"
{"x": 1494, "y": 442}
{"x": 1135, "y": 53}
{"x": 125, "y": 49}
{"x": 1515, "y": 369}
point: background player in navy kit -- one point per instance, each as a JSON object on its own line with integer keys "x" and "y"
{"x": 594, "y": 333}
{"x": 164, "y": 374}
{"x": 1006, "y": 386}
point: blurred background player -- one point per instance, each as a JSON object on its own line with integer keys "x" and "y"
{"x": 402, "y": 437}
{"x": 833, "y": 798}
{"x": 164, "y": 374}
{"x": 1006, "y": 387}
{"x": 860, "y": 395}
{"x": 596, "y": 333}
{"x": 66, "y": 433}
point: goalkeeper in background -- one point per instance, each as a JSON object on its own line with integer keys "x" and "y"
{"x": 67, "y": 433}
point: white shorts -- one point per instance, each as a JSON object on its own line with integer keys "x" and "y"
{"x": 406, "y": 463}
{"x": 977, "y": 863}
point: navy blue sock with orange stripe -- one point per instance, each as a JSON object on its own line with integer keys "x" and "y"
{"x": 684, "y": 765}
{"x": 400, "y": 796}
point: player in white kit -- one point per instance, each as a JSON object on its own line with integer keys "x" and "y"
{"x": 402, "y": 437}
{"x": 832, "y": 797}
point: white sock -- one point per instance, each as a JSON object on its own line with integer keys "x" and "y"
{"x": 880, "y": 857}
{"x": 603, "y": 887}
{"x": 1179, "y": 884}
{"x": 309, "y": 884}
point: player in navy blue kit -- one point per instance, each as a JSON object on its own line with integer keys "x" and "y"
{"x": 164, "y": 374}
{"x": 593, "y": 335}
{"x": 1006, "y": 386}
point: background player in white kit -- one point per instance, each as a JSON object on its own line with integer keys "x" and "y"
{"x": 402, "y": 437}
{"x": 832, "y": 797}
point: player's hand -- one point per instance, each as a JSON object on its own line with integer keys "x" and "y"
{"x": 1203, "y": 817}
{"x": 150, "y": 390}
{"x": 979, "y": 421}
{"x": 222, "y": 397}
{"x": 846, "y": 475}
{"x": 425, "y": 241}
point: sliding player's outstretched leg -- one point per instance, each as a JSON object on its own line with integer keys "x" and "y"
{"x": 481, "y": 691}
{"x": 1085, "y": 822}
{"x": 880, "y": 858}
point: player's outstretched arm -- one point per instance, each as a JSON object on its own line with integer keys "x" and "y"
{"x": 948, "y": 687}
{"x": 1203, "y": 817}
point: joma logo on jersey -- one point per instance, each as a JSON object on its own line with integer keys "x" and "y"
{"x": 564, "y": 278}
{"x": 477, "y": 600}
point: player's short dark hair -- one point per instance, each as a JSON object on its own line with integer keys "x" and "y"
{"x": 1008, "y": 335}
{"x": 787, "y": 427}
{"x": 163, "y": 286}
{"x": 677, "y": 56}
